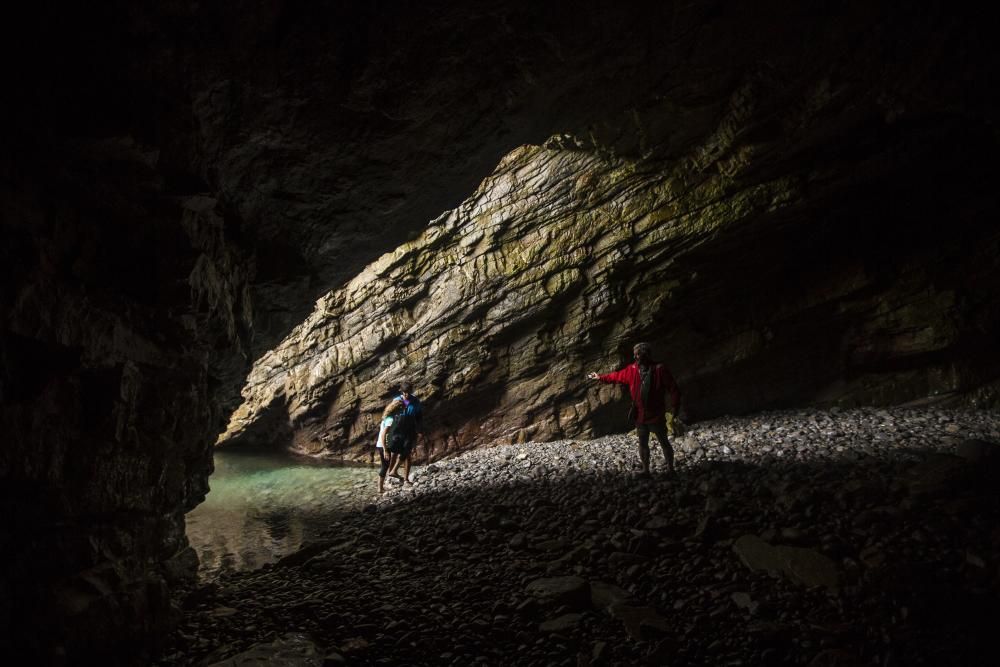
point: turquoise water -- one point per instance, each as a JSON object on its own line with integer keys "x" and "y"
{"x": 263, "y": 506}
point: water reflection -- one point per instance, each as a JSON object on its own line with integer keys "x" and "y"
{"x": 263, "y": 506}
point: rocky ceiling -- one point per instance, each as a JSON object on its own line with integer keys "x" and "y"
{"x": 795, "y": 201}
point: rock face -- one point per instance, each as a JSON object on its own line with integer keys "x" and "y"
{"x": 794, "y": 204}
{"x": 105, "y": 407}
{"x": 766, "y": 275}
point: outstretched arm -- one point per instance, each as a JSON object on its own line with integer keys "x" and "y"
{"x": 618, "y": 377}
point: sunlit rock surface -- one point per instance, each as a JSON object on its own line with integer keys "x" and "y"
{"x": 783, "y": 284}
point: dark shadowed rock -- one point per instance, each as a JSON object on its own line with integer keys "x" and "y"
{"x": 979, "y": 452}
{"x": 803, "y": 566}
{"x": 636, "y": 618}
{"x": 564, "y": 623}
{"x": 835, "y": 658}
{"x": 604, "y": 595}
{"x": 570, "y": 590}
{"x": 293, "y": 650}
{"x": 305, "y": 553}
{"x": 936, "y": 475}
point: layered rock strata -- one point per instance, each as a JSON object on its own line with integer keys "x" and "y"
{"x": 764, "y": 279}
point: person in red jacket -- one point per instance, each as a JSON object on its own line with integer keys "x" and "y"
{"x": 649, "y": 384}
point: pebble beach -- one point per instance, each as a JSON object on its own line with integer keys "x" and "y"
{"x": 807, "y": 537}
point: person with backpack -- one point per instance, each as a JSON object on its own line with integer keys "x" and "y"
{"x": 649, "y": 384}
{"x": 406, "y": 429}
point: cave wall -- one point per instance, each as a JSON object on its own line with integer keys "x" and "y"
{"x": 182, "y": 182}
{"x": 810, "y": 227}
{"x": 125, "y": 323}
{"x": 805, "y": 286}
{"x": 114, "y": 296}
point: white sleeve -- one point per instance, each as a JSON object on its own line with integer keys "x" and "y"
{"x": 380, "y": 441}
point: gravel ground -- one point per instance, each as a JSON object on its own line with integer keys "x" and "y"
{"x": 854, "y": 537}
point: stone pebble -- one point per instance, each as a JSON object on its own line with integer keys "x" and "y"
{"x": 868, "y": 535}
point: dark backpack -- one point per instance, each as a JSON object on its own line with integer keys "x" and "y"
{"x": 402, "y": 432}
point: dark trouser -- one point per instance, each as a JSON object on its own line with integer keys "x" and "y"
{"x": 659, "y": 429}
{"x": 402, "y": 446}
{"x": 384, "y": 468}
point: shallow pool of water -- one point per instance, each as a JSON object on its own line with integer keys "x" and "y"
{"x": 264, "y": 506}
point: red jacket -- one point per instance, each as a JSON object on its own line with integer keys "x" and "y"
{"x": 663, "y": 382}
